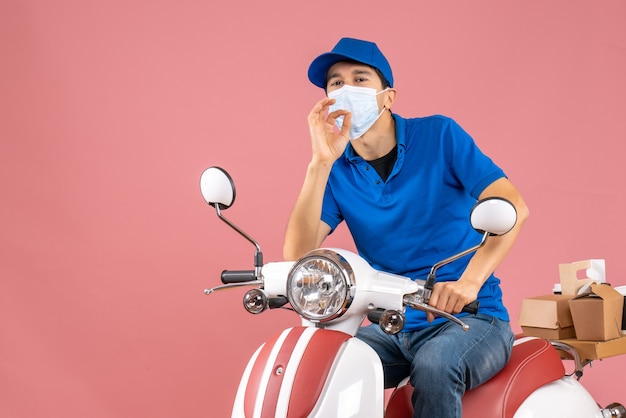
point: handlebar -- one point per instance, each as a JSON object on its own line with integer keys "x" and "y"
{"x": 237, "y": 276}
{"x": 375, "y": 314}
{"x": 471, "y": 308}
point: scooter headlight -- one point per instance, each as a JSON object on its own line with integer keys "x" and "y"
{"x": 319, "y": 285}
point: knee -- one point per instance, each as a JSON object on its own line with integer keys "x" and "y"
{"x": 434, "y": 372}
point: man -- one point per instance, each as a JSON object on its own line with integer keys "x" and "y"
{"x": 405, "y": 188}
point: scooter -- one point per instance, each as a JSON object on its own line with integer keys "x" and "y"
{"x": 319, "y": 369}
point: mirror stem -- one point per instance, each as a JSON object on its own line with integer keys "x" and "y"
{"x": 258, "y": 255}
{"x": 430, "y": 280}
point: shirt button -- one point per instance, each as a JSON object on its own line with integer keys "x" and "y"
{"x": 377, "y": 181}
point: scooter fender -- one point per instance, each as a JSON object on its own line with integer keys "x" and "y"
{"x": 565, "y": 397}
{"x": 311, "y": 372}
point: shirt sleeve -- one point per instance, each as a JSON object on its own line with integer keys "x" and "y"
{"x": 331, "y": 214}
{"x": 467, "y": 163}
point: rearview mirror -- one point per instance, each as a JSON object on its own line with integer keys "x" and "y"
{"x": 217, "y": 187}
{"x": 494, "y": 215}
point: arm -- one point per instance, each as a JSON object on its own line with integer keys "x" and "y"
{"x": 452, "y": 296}
{"x": 305, "y": 230}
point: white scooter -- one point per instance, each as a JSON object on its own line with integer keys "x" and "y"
{"x": 320, "y": 370}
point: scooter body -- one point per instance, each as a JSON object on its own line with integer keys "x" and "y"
{"x": 565, "y": 397}
{"x": 320, "y": 369}
{"x": 312, "y": 372}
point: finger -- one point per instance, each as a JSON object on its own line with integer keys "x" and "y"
{"x": 346, "y": 125}
{"x": 430, "y": 317}
{"x": 453, "y": 305}
{"x": 435, "y": 295}
{"x": 459, "y": 306}
{"x": 441, "y": 298}
{"x": 337, "y": 113}
{"x": 453, "y": 302}
{"x": 320, "y": 108}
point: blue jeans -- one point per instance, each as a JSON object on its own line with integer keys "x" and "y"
{"x": 443, "y": 361}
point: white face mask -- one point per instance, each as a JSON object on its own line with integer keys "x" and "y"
{"x": 361, "y": 102}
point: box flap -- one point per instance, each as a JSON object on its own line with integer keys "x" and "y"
{"x": 603, "y": 291}
{"x": 597, "y": 314}
{"x": 568, "y": 273}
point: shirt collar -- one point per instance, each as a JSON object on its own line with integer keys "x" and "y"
{"x": 353, "y": 157}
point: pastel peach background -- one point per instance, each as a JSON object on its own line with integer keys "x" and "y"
{"x": 110, "y": 110}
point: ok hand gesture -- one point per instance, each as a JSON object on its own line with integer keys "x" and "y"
{"x": 326, "y": 143}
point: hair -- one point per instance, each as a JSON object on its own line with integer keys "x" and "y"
{"x": 383, "y": 80}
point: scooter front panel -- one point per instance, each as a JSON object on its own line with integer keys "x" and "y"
{"x": 289, "y": 372}
{"x": 266, "y": 375}
{"x": 354, "y": 387}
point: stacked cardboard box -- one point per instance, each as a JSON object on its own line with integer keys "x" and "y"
{"x": 547, "y": 316}
{"x": 589, "y": 315}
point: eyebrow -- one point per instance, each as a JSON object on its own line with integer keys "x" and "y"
{"x": 357, "y": 71}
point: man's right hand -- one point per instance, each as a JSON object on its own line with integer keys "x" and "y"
{"x": 327, "y": 144}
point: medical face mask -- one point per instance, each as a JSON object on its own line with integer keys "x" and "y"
{"x": 361, "y": 102}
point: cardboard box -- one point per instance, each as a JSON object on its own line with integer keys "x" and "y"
{"x": 597, "y": 350}
{"x": 547, "y": 316}
{"x": 622, "y": 291}
{"x": 597, "y": 314}
{"x": 593, "y": 271}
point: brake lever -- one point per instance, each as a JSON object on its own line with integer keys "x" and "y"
{"x": 232, "y": 285}
{"x": 416, "y": 302}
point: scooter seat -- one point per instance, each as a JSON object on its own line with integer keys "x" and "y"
{"x": 534, "y": 363}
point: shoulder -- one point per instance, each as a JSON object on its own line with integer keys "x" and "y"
{"x": 428, "y": 128}
{"x": 432, "y": 121}
{"x": 428, "y": 123}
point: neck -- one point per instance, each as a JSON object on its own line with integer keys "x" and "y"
{"x": 379, "y": 140}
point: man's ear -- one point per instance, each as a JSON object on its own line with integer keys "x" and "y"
{"x": 390, "y": 97}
